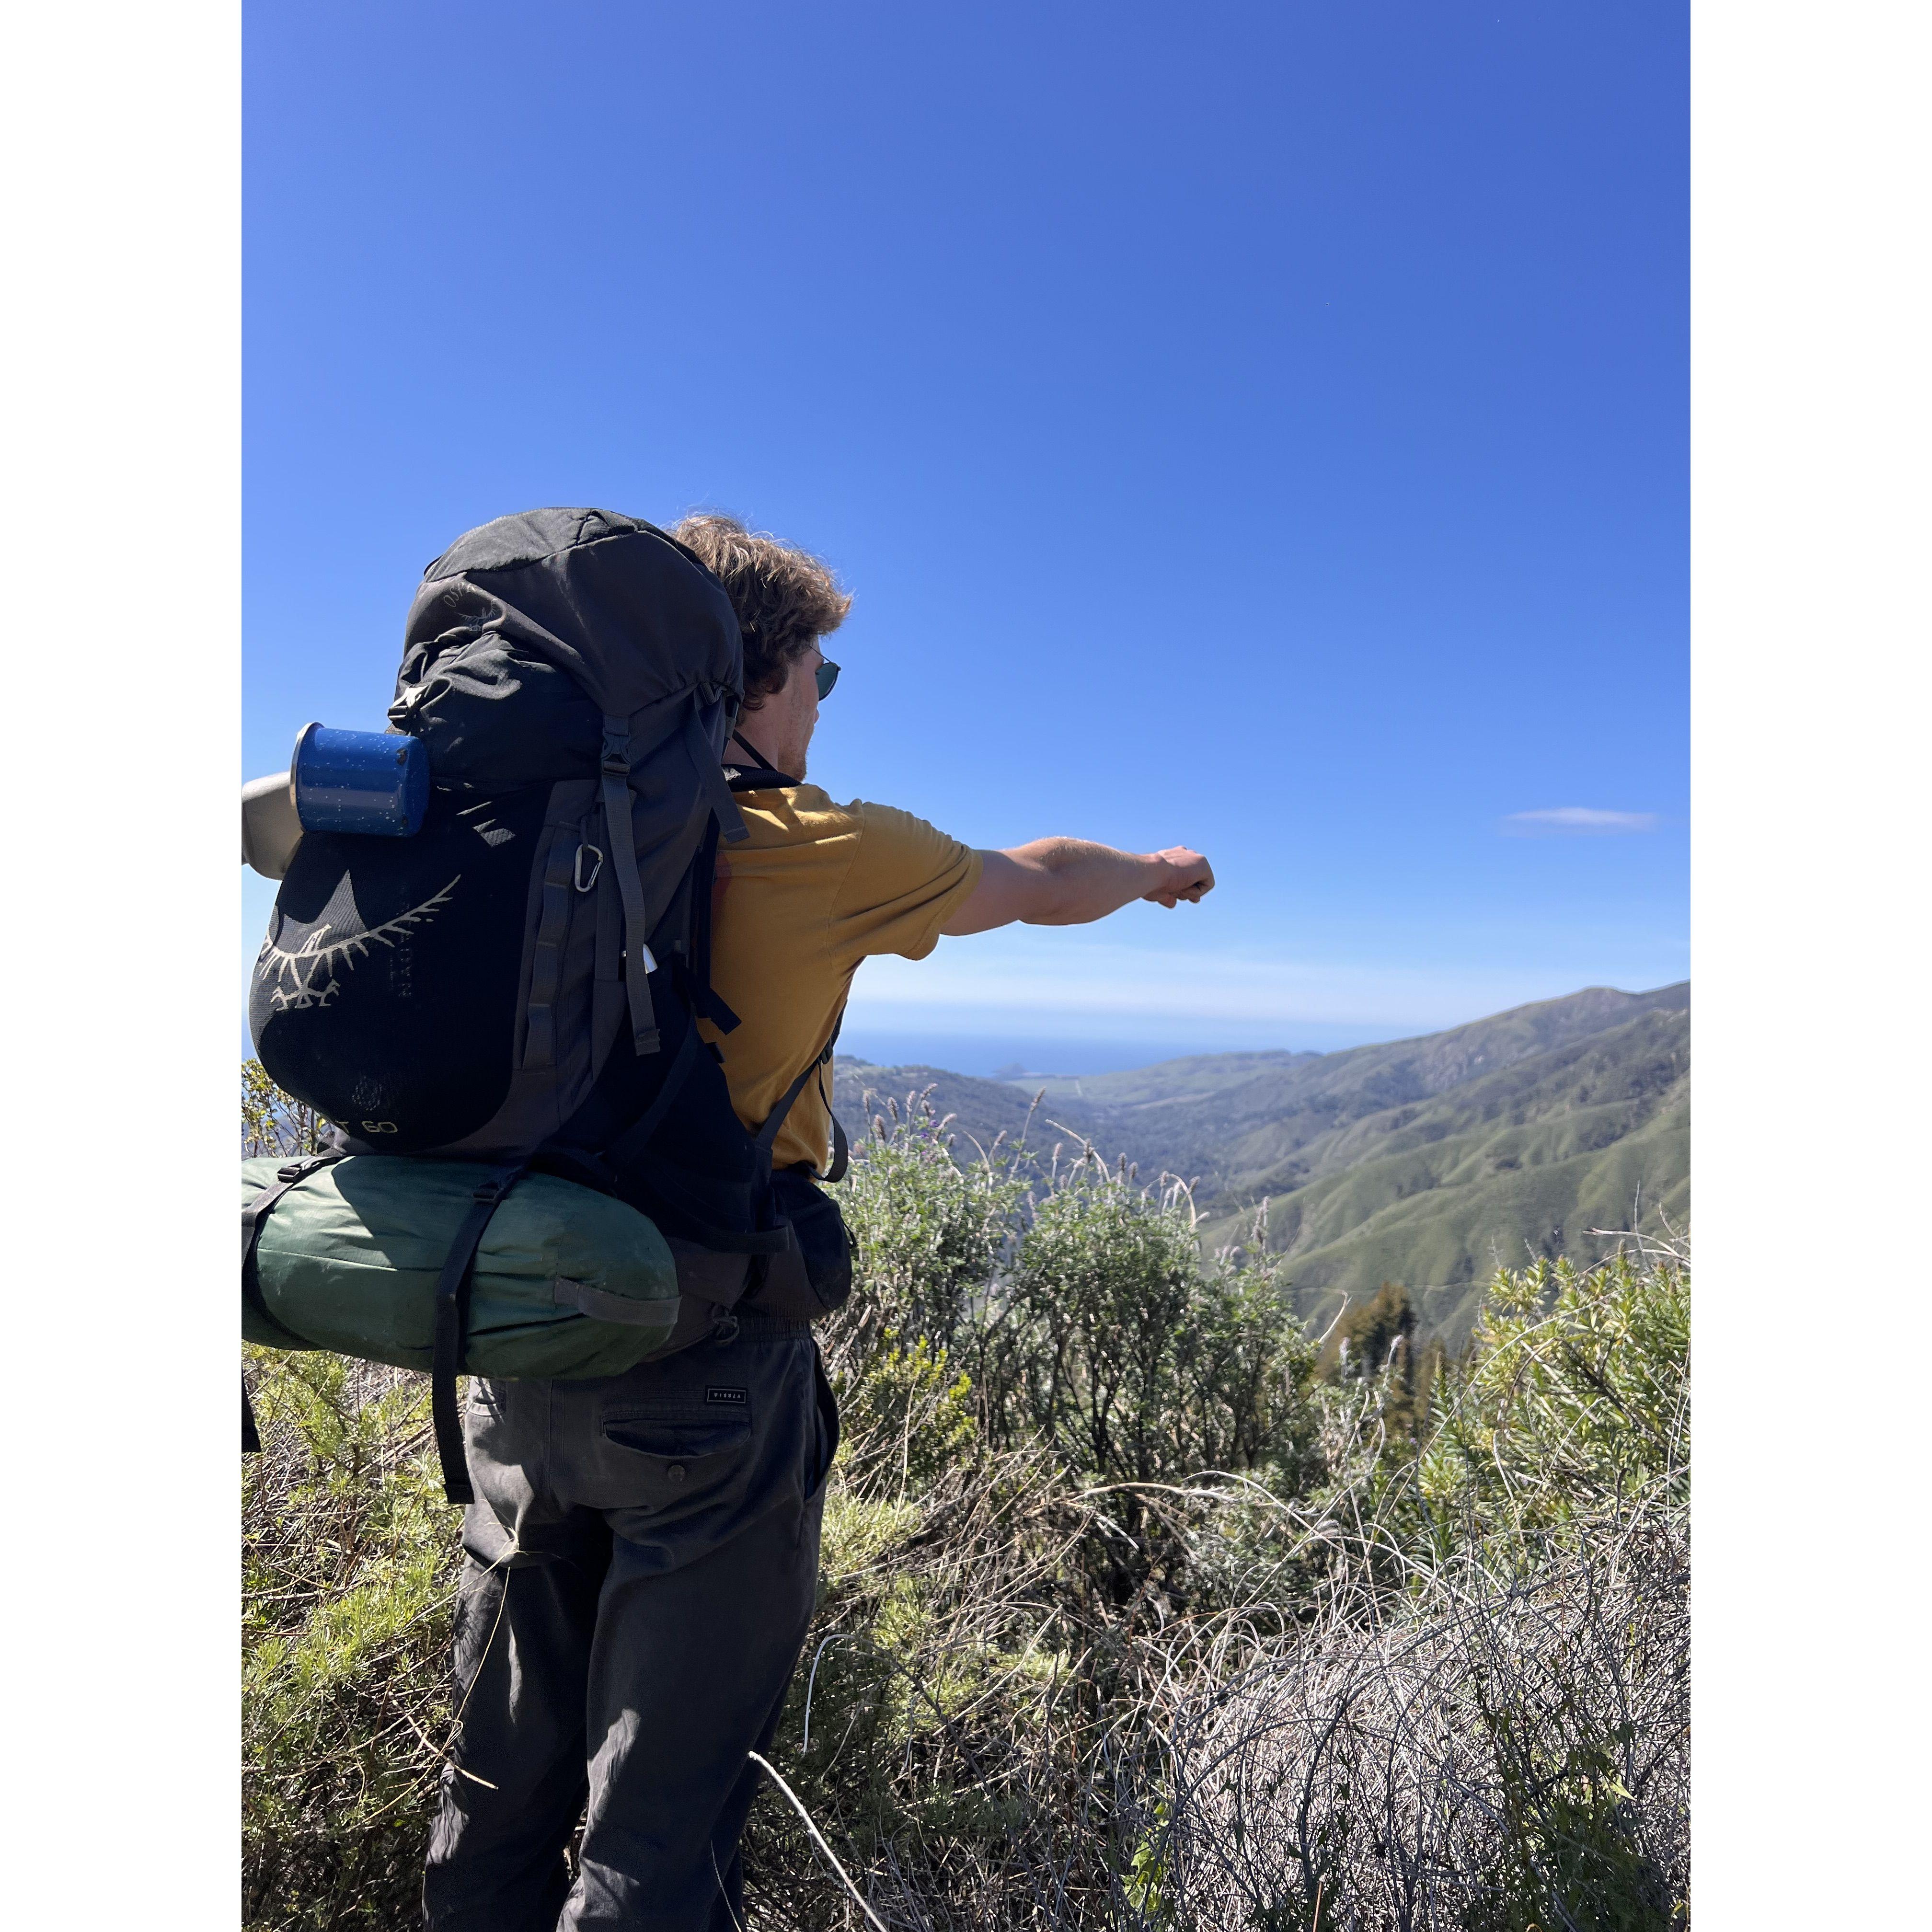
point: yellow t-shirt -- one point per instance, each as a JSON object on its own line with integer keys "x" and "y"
{"x": 816, "y": 888}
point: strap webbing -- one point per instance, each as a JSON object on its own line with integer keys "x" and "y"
{"x": 700, "y": 991}
{"x": 762, "y": 776}
{"x": 601, "y": 1305}
{"x": 841, "y": 1151}
{"x": 710, "y": 1006}
{"x": 452, "y": 1327}
{"x": 767, "y": 1135}
{"x": 711, "y": 776}
{"x": 637, "y": 961}
{"x": 704, "y": 887}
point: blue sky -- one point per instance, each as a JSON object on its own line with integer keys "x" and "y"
{"x": 1259, "y": 428}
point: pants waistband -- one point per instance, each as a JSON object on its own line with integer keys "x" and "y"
{"x": 759, "y": 1327}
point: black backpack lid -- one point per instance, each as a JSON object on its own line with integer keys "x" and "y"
{"x": 624, "y": 609}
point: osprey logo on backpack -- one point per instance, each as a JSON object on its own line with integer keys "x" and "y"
{"x": 330, "y": 945}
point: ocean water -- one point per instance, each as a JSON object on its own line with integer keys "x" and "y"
{"x": 1010, "y": 1056}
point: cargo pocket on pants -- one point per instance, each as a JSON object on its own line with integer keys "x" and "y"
{"x": 670, "y": 1464}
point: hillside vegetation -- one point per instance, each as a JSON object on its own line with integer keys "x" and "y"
{"x": 1141, "y": 1608}
{"x": 1430, "y": 1162}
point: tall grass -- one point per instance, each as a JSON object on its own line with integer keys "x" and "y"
{"x": 1133, "y": 1612}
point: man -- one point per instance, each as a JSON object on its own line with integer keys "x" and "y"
{"x": 640, "y": 1643}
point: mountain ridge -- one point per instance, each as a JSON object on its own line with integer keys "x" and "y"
{"x": 1423, "y": 1160}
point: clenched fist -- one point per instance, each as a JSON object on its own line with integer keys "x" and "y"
{"x": 1184, "y": 875}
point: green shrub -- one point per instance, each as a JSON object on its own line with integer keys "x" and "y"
{"x": 932, "y": 1231}
{"x": 349, "y": 1568}
{"x": 1576, "y": 1398}
{"x": 1138, "y": 1361}
{"x": 1101, "y": 1515}
{"x": 1571, "y": 1408}
{"x": 273, "y": 1122}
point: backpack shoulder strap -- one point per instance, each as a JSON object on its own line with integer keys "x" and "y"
{"x": 756, "y": 777}
{"x": 701, "y": 993}
{"x": 711, "y": 776}
{"x": 760, "y": 774}
{"x": 766, "y": 1137}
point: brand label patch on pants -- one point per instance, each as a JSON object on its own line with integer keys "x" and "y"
{"x": 732, "y": 1398}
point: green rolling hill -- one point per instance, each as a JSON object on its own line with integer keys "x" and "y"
{"x": 1426, "y": 1162}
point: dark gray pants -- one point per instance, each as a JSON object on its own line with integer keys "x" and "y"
{"x": 640, "y": 1565}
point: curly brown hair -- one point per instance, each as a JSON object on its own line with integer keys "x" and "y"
{"x": 786, "y": 599}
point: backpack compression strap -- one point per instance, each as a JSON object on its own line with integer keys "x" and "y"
{"x": 253, "y": 1218}
{"x": 452, "y": 1328}
{"x": 639, "y": 961}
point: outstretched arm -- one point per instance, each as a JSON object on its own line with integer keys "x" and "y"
{"x": 1072, "y": 882}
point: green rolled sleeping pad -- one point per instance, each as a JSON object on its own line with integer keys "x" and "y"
{"x": 568, "y": 1282}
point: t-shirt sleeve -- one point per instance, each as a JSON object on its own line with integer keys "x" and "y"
{"x": 904, "y": 881}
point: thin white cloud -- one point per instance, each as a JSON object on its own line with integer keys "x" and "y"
{"x": 1580, "y": 818}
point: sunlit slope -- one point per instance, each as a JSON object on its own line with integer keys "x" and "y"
{"x": 1234, "y": 1120}
{"x": 1448, "y": 1240}
{"x": 1527, "y": 1162}
{"x": 1426, "y": 1162}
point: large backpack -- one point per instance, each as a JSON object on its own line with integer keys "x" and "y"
{"x": 518, "y": 984}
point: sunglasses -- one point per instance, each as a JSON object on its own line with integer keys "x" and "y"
{"x": 828, "y": 675}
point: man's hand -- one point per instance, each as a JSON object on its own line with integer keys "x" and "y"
{"x": 1189, "y": 875}
{"x": 1073, "y": 882}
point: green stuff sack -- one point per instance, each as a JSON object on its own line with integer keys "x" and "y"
{"x": 568, "y": 1282}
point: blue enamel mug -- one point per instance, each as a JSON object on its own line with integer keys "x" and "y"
{"x": 370, "y": 782}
